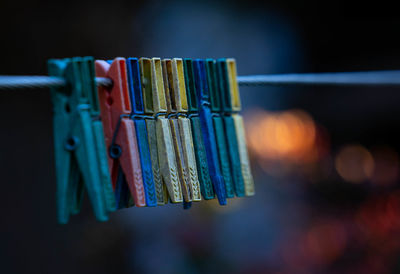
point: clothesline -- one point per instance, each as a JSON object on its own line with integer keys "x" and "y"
{"x": 367, "y": 78}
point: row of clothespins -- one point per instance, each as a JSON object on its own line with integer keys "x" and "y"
{"x": 165, "y": 131}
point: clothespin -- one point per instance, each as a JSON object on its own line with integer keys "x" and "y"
{"x": 177, "y": 108}
{"x": 155, "y": 105}
{"x": 199, "y": 149}
{"x": 229, "y": 125}
{"x": 232, "y": 105}
{"x": 122, "y": 192}
{"x": 216, "y": 109}
{"x": 78, "y": 138}
{"x": 119, "y": 129}
{"x": 136, "y": 99}
{"x": 207, "y": 128}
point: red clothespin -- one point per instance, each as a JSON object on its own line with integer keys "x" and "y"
{"x": 119, "y": 129}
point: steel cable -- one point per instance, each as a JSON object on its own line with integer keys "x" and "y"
{"x": 368, "y": 78}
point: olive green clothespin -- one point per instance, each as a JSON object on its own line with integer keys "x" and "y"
{"x": 159, "y": 130}
{"x": 177, "y": 109}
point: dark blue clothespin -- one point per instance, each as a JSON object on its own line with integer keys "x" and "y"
{"x": 136, "y": 98}
{"x": 207, "y": 128}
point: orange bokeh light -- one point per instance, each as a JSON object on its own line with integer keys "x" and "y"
{"x": 288, "y": 135}
{"x": 354, "y": 163}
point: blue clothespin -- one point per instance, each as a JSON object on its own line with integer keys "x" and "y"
{"x": 207, "y": 128}
{"x": 136, "y": 98}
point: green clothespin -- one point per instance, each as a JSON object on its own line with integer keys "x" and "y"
{"x": 233, "y": 106}
{"x": 229, "y": 125}
{"x": 89, "y": 78}
{"x": 199, "y": 149}
{"x": 79, "y": 143}
{"x": 216, "y": 108}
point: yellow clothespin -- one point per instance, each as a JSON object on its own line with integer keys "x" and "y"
{"x": 163, "y": 155}
{"x": 239, "y": 126}
{"x": 181, "y": 129}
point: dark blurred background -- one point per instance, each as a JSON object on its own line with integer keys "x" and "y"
{"x": 325, "y": 160}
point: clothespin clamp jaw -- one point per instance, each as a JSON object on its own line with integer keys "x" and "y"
{"x": 227, "y": 68}
{"x": 177, "y": 108}
{"x": 138, "y": 117}
{"x": 207, "y": 128}
{"x": 79, "y": 146}
{"x": 220, "y": 134}
{"x": 155, "y": 104}
{"x": 119, "y": 129}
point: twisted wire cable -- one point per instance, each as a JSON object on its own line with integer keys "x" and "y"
{"x": 39, "y": 82}
{"x": 368, "y": 78}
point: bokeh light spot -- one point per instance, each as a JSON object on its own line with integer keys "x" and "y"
{"x": 386, "y": 170}
{"x": 354, "y": 163}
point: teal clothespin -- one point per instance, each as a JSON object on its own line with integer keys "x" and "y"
{"x": 229, "y": 125}
{"x": 216, "y": 108}
{"x": 207, "y": 128}
{"x": 199, "y": 149}
{"x": 79, "y": 143}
